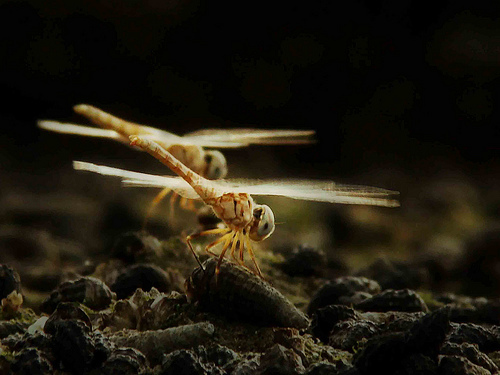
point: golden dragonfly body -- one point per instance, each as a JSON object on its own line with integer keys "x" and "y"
{"x": 244, "y": 219}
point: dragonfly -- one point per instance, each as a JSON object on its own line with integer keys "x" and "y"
{"x": 189, "y": 149}
{"x": 231, "y": 200}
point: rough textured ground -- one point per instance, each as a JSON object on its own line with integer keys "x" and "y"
{"x": 408, "y": 291}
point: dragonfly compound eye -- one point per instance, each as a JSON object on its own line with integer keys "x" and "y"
{"x": 216, "y": 165}
{"x": 264, "y": 223}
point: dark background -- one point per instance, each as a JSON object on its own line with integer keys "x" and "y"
{"x": 405, "y": 86}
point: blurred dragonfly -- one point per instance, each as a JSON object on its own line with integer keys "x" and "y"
{"x": 188, "y": 149}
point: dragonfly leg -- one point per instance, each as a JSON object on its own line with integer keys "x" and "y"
{"x": 242, "y": 249}
{"x": 200, "y": 234}
{"x": 242, "y": 252}
{"x": 233, "y": 247}
{"x": 230, "y": 237}
{"x": 187, "y": 204}
{"x": 153, "y": 205}
{"x": 219, "y": 240}
{"x": 250, "y": 251}
{"x": 171, "y": 210}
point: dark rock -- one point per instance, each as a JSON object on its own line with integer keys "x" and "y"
{"x": 478, "y": 310}
{"x": 40, "y": 340}
{"x": 324, "y": 319}
{"x": 279, "y": 360}
{"x": 136, "y": 247}
{"x": 487, "y": 340}
{"x": 382, "y": 354}
{"x": 495, "y": 358}
{"x": 347, "y": 334}
{"x": 392, "y": 352}
{"x": 418, "y": 364}
{"x": 182, "y": 362}
{"x": 354, "y": 299}
{"x": 429, "y": 332}
{"x": 327, "y": 368}
{"x": 9, "y": 327}
{"x": 65, "y": 311}
{"x": 246, "y": 366}
{"x": 304, "y": 261}
{"x": 394, "y": 300}
{"x": 90, "y": 291}
{"x": 75, "y": 347}
{"x": 471, "y": 352}
{"x": 398, "y": 321}
{"x": 331, "y": 292}
{"x": 9, "y": 281}
{"x": 218, "y": 355}
{"x": 31, "y": 361}
{"x": 143, "y": 276}
{"x": 457, "y": 365}
{"x": 125, "y": 361}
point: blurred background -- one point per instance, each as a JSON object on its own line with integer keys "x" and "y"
{"x": 402, "y": 94}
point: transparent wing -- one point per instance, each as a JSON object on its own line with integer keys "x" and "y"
{"x": 66, "y": 128}
{"x": 321, "y": 191}
{"x": 242, "y": 137}
{"x": 112, "y": 127}
{"x": 129, "y": 178}
{"x": 162, "y": 137}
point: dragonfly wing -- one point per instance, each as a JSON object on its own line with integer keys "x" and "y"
{"x": 242, "y": 137}
{"x": 137, "y": 179}
{"x": 320, "y": 191}
{"x": 67, "y": 128}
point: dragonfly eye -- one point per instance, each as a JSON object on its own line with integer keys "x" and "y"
{"x": 264, "y": 223}
{"x": 216, "y": 165}
{"x": 257, "y": 212}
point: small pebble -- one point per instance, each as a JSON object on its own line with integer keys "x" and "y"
{"x": 90, "y": 291}
{"x": 141, "y": 276}
{"x": 31, "y": 361}
{"x": 334, "y": 290}
{"x": 136, "y": 247}
{"x": 280, "y": 360}
{"x": 394, "y": 300}
{"x": 457, "y": 365}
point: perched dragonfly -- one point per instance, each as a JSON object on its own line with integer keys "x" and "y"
{"x": 189, "y": 149}
{"x": 232, "y": 201}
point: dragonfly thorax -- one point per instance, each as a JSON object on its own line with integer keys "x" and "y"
{"x": 235, "y": 209}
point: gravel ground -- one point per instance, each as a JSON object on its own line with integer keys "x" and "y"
{"x": 403, "y": 291}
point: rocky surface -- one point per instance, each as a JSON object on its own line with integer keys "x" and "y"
{"x": 138, "y": 302}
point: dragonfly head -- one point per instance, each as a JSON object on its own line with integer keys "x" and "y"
{"x": 263, "y": 223}
{"x": 216, "y": 165}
